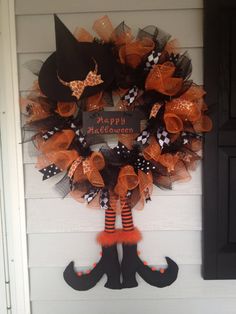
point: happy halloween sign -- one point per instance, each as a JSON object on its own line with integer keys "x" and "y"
{"x": 111, "y": 122}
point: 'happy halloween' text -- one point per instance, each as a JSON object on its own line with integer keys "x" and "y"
{"x": 111, "y": 122}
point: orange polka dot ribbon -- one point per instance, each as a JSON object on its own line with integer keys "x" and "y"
{"x": 73, "y": 167}
{"x": 154, "y": 111}
{"x": 77, "y": 87}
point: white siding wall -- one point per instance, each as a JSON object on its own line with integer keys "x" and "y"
{"x": 61, "y": 230}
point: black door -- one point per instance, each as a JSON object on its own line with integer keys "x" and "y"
{"x": 219, "y": 176}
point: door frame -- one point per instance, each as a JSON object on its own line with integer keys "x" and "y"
{"x": 13, "y": 202}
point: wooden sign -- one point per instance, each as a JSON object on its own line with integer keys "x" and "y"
{"x": 111, "y": 122}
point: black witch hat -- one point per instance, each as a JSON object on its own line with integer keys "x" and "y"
{"x": 72, "y": 62}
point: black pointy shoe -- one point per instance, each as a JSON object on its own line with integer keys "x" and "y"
{"x": 108, "y": 264}
{"x": 132, "y": 264}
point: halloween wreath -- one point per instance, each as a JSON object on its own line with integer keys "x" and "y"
{"x": 144, "y": 74}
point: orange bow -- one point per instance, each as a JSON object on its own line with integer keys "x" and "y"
{"x": 88, "y": 169}
{"x": 62, "y": 159}
{"x": 77, "y": 87}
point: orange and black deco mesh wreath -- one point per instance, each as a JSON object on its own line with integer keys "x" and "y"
{"x": 145, "y": 73}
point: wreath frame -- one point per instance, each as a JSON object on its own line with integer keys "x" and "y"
{"x": 146, "y": 73}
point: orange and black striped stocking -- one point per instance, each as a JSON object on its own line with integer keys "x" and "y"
{"x": 110, "y": 220}
{"x": 126, "y": 215}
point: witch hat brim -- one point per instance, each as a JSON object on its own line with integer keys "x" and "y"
{"x": 73, "y": 60}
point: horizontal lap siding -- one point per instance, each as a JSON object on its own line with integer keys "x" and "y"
{"x": 61, "y": 230}
{"x": 71, "y": 6}
{"x": 170, "y": 306}
{"x": 47, "y": 284}
{"x": 163, "y": 213}
{"x": 35, "y": 33}
{"x": 58, "y": 249}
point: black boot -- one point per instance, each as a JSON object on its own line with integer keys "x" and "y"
{"x": 108, "y": 264}
{"x": 132, "y": 264}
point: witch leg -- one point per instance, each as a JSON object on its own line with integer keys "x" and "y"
{"x": 108, "y": 263}
{"x": 132, "y": 264}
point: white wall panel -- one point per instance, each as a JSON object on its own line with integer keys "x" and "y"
{"x": 163, "y": 213}
{"x": 58, "y": 249}
{"x": 163, "y": 306}
{"x": 36, "y": 32}
{"x": 71, "y": 6}
{"x": 60, "y": 230}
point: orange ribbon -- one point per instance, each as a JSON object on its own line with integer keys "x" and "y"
{"x": 154, "y": 111}
{"x": 204, "y": 124}
{"x": 152, "y": 151}
{"x": 145, "y": 184}
{"x": 127, "y": 180}
{"x": 169, "y": 161}
{"x": 124, "y": 37}
{"x": 173, "y": 123}
{"x": 62, "y": 159}
{"x": 190, "y": 106}
{"x": 89, "y": 169}
{"x": 194, "y": 93}
{"x": 103, "y": 27}
{"x": 34, "y": 110}
{"x": 95, "y": 102}
{"x": 132, "y": 52}
{"x": 82, "y": 35}
{"x": 58, "y": 142}
{"x": 73, "y": 167}
{"x": 77, "y": 87}
{"x": 186, "y": 110}
{"x": 66, "y": 109}
{"x": 160, "y": 79}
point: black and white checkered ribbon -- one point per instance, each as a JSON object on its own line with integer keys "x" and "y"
{"x": 147, "y": 195}
{"x": 163, "y": 137}
{"x": 50, "y": 133}
{"x": 152, "y": 59}
{"x": 73, "y": 127}
{"x": 50, "y": 171}
{"x": 104, "y": 199}
{"x": 186, "y": 136}
{"x": 131, "y": 95}
{"x": 129, "y": 193}
{"x": 142, "y": 164}
{"x": 79, "y": 134}
{"x": 90, "y": 195}
{"x": 143, "y": 137}
{"x": 174, "y": 57}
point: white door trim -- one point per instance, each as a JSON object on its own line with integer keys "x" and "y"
{"x": 12, "y": 165}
